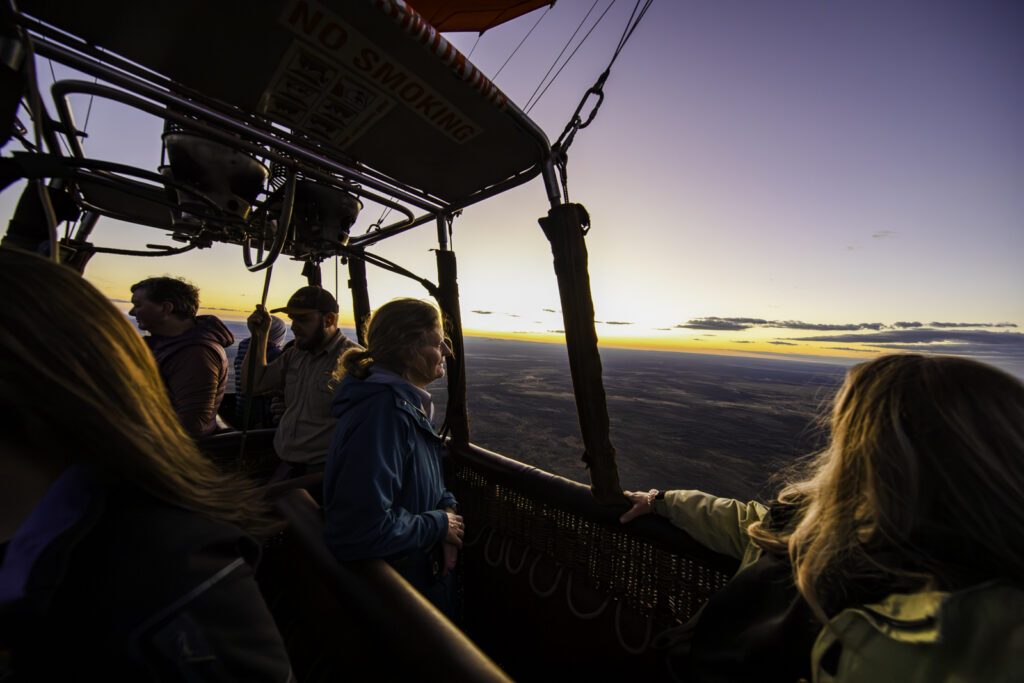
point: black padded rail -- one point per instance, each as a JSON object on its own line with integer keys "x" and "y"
{"x": 576, "y": 498}
{"x": 555, "y": 588}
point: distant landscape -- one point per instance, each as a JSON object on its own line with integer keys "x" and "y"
{"x": 724, "y": 424}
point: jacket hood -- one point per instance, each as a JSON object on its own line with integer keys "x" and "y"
{"x": 208, "y": 331}
{"x": 353, "y": 391}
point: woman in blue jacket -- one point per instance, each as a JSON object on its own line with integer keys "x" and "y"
{"x": 384, "y": 493}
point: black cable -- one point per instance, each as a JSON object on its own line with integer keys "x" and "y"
{"x": 475, "y": 43}
{"x": 630, "y": 27}
{"x": 566, "y": 62}
{"x": 380, "y": 221}
{"x": 576, "y": 122}
{"x": 53, "y": 75}
{"x": 535, "y": 25}
{"x": 389, "y": 266}
{"x": 564, "y": 48}
{"x": 88, "y": 111}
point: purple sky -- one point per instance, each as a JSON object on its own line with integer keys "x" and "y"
{"x": 803, "y": 163}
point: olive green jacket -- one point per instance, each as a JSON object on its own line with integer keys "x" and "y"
{"x": 971, "y": 636}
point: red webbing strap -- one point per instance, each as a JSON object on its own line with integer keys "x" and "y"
{"x": 564, "y": 227}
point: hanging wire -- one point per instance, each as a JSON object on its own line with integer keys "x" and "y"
{"x": 537, "y": 23}
{"x": 71, "y": 225}
{"x": 564, "y": 48}
{"x": 390, "y": 266}
{"x": 573, "y": 54}
{"x": 380, "y": 221}
{"x": 475, "y": 43}
{"x": 88, "y": 111}
{"x": 577, "y": 122}
{"x": 634, "y": 21}
{"x": 63, "y": 143}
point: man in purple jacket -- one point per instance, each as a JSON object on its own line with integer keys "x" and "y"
{"x": 189, "y": 349}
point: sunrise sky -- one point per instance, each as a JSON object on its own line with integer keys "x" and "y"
{"x": 783, "y": 176}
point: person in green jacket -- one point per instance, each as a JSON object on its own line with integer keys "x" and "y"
{"x": 897, "y": 554}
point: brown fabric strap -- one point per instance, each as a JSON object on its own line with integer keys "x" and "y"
{"x": 457, "y": 413}
{"x": 565, "y": 227}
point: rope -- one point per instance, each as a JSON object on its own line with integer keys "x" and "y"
{"x": 572, "y": 608}
{"x": 251, "y": 374}
{"x": 470, "y": 544}
{"x": 618, "y": 632}
{"x": 487, "y": 551}
{"x": 550, "y": 591}
{"x": 266, "y": 285}
{"x": 522, "y": 560}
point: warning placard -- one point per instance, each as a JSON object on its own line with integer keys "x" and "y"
{"x": 310, "y": 94}
{"x": 333, "y": 83}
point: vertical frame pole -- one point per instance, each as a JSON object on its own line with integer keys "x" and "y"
{"x": 360, "y": 294}
{"x": 457, "y": 412}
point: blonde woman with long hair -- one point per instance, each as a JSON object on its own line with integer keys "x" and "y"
{"x": 124, "y": 552}
{"x": 897, "y": 556}
{"x": 384, "y": 495}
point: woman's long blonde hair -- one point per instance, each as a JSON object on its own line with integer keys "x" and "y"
{"x": 392, "y": 334}
{"x": 78, "y": 386}
{"x": 920, "y": 484}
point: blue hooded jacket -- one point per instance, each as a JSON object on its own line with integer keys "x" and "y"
{"x": 384, "y": 492}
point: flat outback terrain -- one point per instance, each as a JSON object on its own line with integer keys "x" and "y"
{"x": 718, "y": 423}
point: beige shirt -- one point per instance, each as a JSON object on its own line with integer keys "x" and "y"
{"x": 305, "y": 377}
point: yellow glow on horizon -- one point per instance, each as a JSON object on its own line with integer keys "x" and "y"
{"x": 664, "y": 343}
{"x": 669, "y": 341}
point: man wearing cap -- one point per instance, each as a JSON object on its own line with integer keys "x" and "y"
{"x": 304, "y": 373}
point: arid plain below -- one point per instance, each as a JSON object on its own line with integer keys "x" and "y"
{"x": 723, "y": 424}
